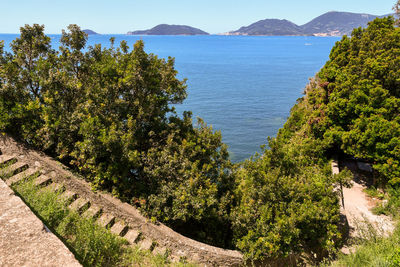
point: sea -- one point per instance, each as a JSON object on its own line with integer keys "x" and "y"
{"x": 242, "y": 86}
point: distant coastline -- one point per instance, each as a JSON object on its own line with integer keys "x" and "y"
{"x": 332, "y": 23}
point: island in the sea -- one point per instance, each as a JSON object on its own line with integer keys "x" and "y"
{"x": 333, "y": 23}
{"x": 89, "y": 32}
{"x": 166, "y": 29}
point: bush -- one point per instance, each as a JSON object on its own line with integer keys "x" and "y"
{"x": 284, "y": 211}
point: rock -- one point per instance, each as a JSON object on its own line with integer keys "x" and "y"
{"x": 364, "y": 166}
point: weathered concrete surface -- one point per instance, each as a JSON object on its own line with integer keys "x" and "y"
{"x": 24, "y": 240}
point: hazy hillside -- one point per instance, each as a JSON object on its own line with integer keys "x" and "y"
{"x": 165, "y": 29}
{"x": 270, "y": 27}
{"x": 336, "y": 23}
{"x": 329, "y": 24}
{"x": 89, "y": 32}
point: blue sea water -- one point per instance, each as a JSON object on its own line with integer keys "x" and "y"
{"x": 241, "y": 85}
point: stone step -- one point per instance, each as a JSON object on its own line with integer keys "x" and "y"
{"x": 21, "y": 176}
{"x": 68, "y": 196}
{"x": 4, "y": 159}
{"x": 132, "y": 236}
{"x": 92, "y": 212}
{"x": 146, "y": 244}
{"x": 119, "y": 228}
{"x": 13, "y": 169}
{"x": 42, "y": 180}
{"x": 80, "y": 205}
{"x": 106, "y": 220}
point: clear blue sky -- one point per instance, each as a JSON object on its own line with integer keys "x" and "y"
{"x": 214, "y": 16}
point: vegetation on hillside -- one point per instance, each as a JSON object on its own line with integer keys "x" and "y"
{"x": 351, "y": 107}
{"x": 357, "y": 99}
{"x": 108, "y": 113}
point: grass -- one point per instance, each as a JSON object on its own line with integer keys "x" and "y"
{"x": 376, "y": 252}
{"x": 91, "y": 244}
{"x": 371, "y": 249}
{"x": 392, "y": 204}
{"x": 374, "y": 192}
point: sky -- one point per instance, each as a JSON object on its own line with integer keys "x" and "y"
{"x": 213, "y": 16}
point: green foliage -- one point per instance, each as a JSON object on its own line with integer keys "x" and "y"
{"x": 95, "y": 245}
{"x": 352, "y": 106}
{"x": 391, "y": 206}
{"x": 356, "y": 100}
{"x": 286, "y": 205}
{"x": 108, "y": 112}
{"x": 374, "y": 192}
{"x": 47, "y": 204}
{"x": 22, "y": 81}
{"x": 281, "y": 215}
{"x": 194, "y": 186}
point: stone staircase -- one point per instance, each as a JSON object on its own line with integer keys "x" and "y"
{"x": 15, "y": 171}
{"x": 18, "y": 163}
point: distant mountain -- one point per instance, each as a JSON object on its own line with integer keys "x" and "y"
{"x": 336, "y": 23}
{"x": 270, "y": 27}
{"x": 329, "y": 24}
{"x": 90, "y": 32}
{"x": 387, "y": 15}
{"x": 165, "y": 29}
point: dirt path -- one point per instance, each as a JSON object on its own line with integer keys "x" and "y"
{"x": 357, "y": 205}
{"x": 357, "y": 208}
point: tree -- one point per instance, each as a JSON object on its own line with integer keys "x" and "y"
{"x": 66, "y": 94}
{"x": 396, "y": 8}
{"x": 24, "y": 74}
{"x": 108, "y": 113}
